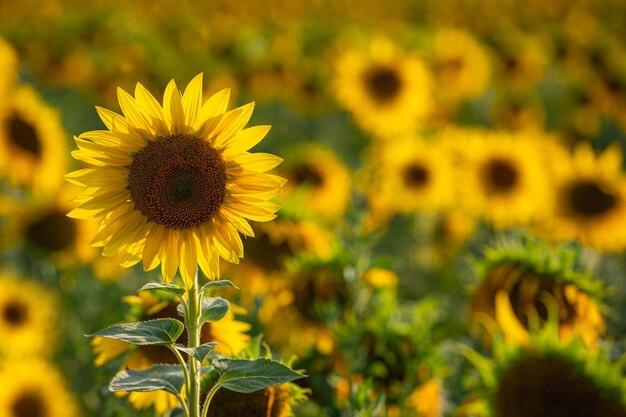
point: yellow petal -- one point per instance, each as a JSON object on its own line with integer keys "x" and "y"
{"x": 173, "y": 108}
{"x": 120, "y": 126}
{"x": 231, "y": 123}
{"x": 192, "y": 100}
{"x": 151, "y": 106}
{"x": 132, "y": 112}
{"x": 154, "y": 242}
{"x": 95, "y": 177}
{"x": 243, "y": 140}
{"x": 188, "y": 258}
{"x": 258, "y": 162}
{"x": 215, "y": 106}
{"x": 169, "y": 263}
{"x": 508, "y": 322}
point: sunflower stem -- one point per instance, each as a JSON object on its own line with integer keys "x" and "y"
{"x": 192, "y": 321}
{"x": 209, "y": 397}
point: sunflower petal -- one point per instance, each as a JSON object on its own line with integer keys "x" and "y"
{"x": 152, "y": 248}
{"x": 151, "y": 106}
{"x": 188, "y": 258}
{"x": 192, "y": 100}
{"x": 169, "y": 263}
{"x": 173, "y": 109}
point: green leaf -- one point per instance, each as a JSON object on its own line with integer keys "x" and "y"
{"x": 158, "y": 377}
{"x": 171, "y": 288}
{"x": 200, "y": 352}
{"x": 152, "y": 332}
{"x": 242, "y": 375}
{"x": 180, "y": 310}
{"x": 222, "y": 283}
{"x": 213, "y": 309}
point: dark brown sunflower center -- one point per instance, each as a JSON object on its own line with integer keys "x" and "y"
{"x": 23, "y": 135}
{"x": 589, "y": 199}
{"x": 52, "y": 232}
{"x": 383, "y": 83}
{"x": 319, "y": 294}
{"x": 307, "y": 174}
{"x": 178, "y": 181}
{"x": 550, "y": 387}
{"x": 28, "y": 404}
{"x": 15, "y": 313}
{"x": 500, "y": 176}
{"x": 161, "y": 354}
{"x": 415, "y": 176}
{"x": 268, "y": 402}
{"x": 511, "y": 64}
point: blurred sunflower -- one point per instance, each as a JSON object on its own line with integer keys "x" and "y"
{"x": 175, "y": 184}
{"x": 8, "y": 68}
{"x": 504, "y": 178}
{"x": 590, "y": 200}
{"x": 518, "y": 277}
{"x": 521, "y": 60}
{"x": 427, "y": 399}
{"x": 28, "y": 318}
{"x": 549, "y": 380}
{"x": 308, "y": 299}
{"x": 387, "y": 90}
{"x": 33, "y": 388}
{"x": 33, "y": 147}
{"x": 269, "y": 402}
{"x": 408, "y": 175}
{"x": 319, "y": 185}
{"x": 228, "y": 332}
{"x": 461, "y": 65}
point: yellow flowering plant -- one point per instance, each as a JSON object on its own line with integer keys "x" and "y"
{"x": 175, "y": 185}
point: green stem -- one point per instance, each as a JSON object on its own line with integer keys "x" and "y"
{"x": 209, "y": 397}
{"x": 192, "y": 321}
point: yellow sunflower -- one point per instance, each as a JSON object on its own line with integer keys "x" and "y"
{"x": 590, "y": 200}
{"x": 409, "y": 175}
{"x": 319, "y": 185}
{"x": 387, "y": 90}
{"x": 504, "y": 178}
{"x": 521, "y": 278}
{"x": 461, "y": 65}
{"x": 547, "y": 379}
{"x": 8, "y": 68}
{"x": 33, "y": 148}
{"x": 228, "y": 332}
{"x": 28, "y": 318}
{"x": 175, "y": 184}
{"x": 33, "y": 388}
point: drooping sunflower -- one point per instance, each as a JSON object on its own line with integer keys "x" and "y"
{"x": 590, "y": 200}
{"x": 28, "y": 314}
{"x": 175, "y": 184}
{"x": 34, "y": 388}
{"x": 33, "y": 148}
{"x": 228, "y": 332}
{"x": 409, "y": 175}
{"x": 319, "y": 184}
{"x": 548, "y": 379}
{"x": 521, "y": 278}
{"x": 461, "y": 65}
{"x": 504, "y": 178}
{"x": 388, "y": 91}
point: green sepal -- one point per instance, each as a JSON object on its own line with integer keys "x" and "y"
{"x": 200, "y": 352}
{"x": 170, "y": 288}
{"x": 152, "y": 332}
{"x": 213, "y": 309}
{"x": 245, "y": 376}
{"x": 222, "y": 283}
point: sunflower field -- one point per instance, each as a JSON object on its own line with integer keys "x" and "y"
{"x": 313, "y": 209}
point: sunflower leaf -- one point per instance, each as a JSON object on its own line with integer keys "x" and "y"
{"x": 213, "y": 309}
{"x": 152, "y": 332}
{"x": 243, "y": 375}
{"x": 200, "y": 352}
{"x": 171, "y": 288}
{"x": 222, "y": 283}
{"x": 158, "y": 377}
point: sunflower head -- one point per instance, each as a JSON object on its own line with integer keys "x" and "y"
{"x": 175, "y": 184}
{"x": 520, "y": 276}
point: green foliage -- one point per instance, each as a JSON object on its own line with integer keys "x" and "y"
{"x": 158, "y": 377}
{"x": 213, "y": 309}
{"x": 152, "y": 332}
{"x": 242, "y": 375}
{"x": 157, "y": 286}
{"x": 200, "y": 352}
{"x": 222, "y": 283}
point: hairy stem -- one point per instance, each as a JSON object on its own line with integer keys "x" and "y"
{"x": 192, "y": 323}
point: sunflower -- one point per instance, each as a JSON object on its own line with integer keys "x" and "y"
{"x": 28, "y": 318}
{"x": 32, "y": 142}
{"x": 388, "y": 90}
{"x": 517, "y": 278}
{"x": 8, "y": 68}
{"x": 319, "y": 185}
{"x": 590, "y": 200}
{"x": 228, "y": 332}
{"x": 175, "y": 184}
{"x": 409, "y": 175}
{"x": 504, "y": 178}
{"x": 461, "y": 64}
{"x": 521, "y": 60}
{"x": 33, "y": 388}
{"x": 548, "y": 379}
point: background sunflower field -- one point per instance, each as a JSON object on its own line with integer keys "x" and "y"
{"x": 452, "y": 231}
